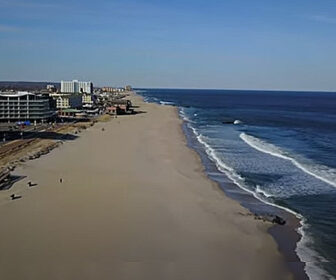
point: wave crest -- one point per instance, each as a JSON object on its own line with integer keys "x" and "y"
{"x": 167, "y": 103}
{"x": 321, "y": 172}
{"x": 307, "y": 255}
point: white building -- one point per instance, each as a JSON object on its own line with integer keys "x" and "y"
{"x": 76, "y": 87}
{"x": 85, "y": 87}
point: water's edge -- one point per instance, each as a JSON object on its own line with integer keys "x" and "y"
{"x": 286, "y": 236}
{"x": 273, "y": 154}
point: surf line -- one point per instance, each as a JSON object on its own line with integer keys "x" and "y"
{"x": 255, "y": 143}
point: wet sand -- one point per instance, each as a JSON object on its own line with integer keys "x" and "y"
{"x": 133, "y": 203}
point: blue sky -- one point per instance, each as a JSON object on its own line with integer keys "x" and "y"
{"x": 189, "y": 44}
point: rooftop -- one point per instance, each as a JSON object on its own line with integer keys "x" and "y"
{"x": 16, "y": 94}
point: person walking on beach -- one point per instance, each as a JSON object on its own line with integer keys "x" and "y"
{"x": 61, "y": 180}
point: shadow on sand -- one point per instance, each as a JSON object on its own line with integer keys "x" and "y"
{"x": 14, "y": 135}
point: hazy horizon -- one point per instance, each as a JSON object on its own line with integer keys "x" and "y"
{"x": 263, "y": 45}
{"x": 178, "y": 88}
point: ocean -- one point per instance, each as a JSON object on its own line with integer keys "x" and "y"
{"x": 278, "y": 147}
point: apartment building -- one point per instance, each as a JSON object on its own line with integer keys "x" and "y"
{"x": 24, "y": 106}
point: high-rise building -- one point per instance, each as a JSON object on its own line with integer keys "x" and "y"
{"x": 76, "y": 87}
{"x": 85, "y": 87}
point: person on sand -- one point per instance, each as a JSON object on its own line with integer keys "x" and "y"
{"x": 31, "y": 184}
{"x": 61, "y": 180}
{"x": 13, "y": 196}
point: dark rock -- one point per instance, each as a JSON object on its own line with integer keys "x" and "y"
{"x": 278, "y": 220}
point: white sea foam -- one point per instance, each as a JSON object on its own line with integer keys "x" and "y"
{"x": 183, "y": 115}
{"x": 140, "y": 90}
{"x": 230, "y": 172}
{"x": 308, "y": 256}
{"x": 167, "y": 103}
{"x": 303, "y": 250}
{"x": 148, "y": 99}
{"x": 321, "y": 172}
{"x": 263, "y": 192}
{"x": 237, "y": 122}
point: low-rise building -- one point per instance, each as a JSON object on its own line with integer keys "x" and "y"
{"x": 51, "y": 88}
{"x": 128, "y": 88}
{"x": 67, "y": 101}
{"x": 112, "y": 89}
{"x": 108, "y": 89}
{"x": 72, "y": 114}
{"x": 88, "y": 100}
{"x": 119, "y": 107}
{"x": 25, "y": 106}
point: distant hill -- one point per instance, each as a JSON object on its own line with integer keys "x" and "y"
{"x": 26, "y": 85}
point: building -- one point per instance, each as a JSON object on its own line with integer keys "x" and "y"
{"x": 72, "y": 114}
{"x": 85, "y": 87}
{"x": 109, "y": 89}
{"x": 68, "y": 87}
{"x": 112, "y": 89}
{"x": 119, "y": 107}
{"x": 51, "y": 88}
{"x": 25, "y": 106}
{"x": 67, "y": 101}
{"x": 88, "y": 100}
{"x": 76, "y": 87}
{"x": 128, "y": 88}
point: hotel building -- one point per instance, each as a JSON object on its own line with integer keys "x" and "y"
{"x": 76, "y": 87}
{"x": 25, "y": 106}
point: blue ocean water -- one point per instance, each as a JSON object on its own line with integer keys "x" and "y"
{"x": 280, "y": 147}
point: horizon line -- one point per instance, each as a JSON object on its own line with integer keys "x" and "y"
{"x": 186, "y": 88}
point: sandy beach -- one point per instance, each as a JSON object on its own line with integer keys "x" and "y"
{"x": 133, "y": 203}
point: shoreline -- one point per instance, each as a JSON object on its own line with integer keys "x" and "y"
{"x": 144, "y": 209}
{"x": 280, "y": 234}
{"x": 287, "y": 237}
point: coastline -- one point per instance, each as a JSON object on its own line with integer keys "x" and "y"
{"x": 138, "y": 203}
{"x": 287, "y": 237}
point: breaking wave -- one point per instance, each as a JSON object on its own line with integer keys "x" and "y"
{"x": 167, "y": 103}
{"x": 261, "y": 191}
{"x": 307, "y": 255}
{"x": 321, "y": 172}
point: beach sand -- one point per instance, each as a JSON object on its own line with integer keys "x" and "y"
{"x": 134, "y": 203}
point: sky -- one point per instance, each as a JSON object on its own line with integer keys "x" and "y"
{"x": 230, "y": 44}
